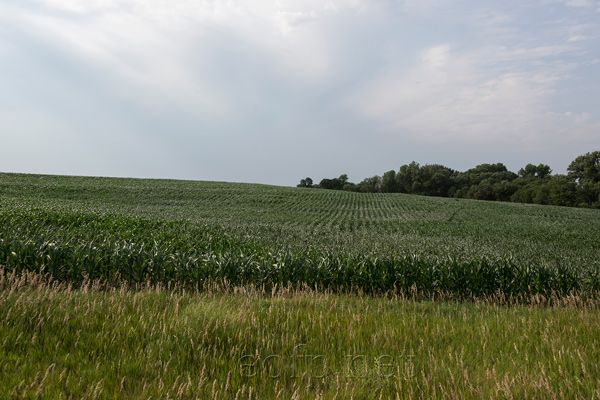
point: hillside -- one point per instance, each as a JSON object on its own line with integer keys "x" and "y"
{"x": 250, "y": 324}
{"x": 253, "y": 226}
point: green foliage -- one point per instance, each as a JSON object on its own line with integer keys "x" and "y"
{"x": 249, "y": 344}
{"x": 409, "y": 178}
{"x": 370, "y": 185}
{"x": 428, "y": 180}
{"x": 197, "y": 232}
{"x": 531, "y": 171}
{"x": 486, "y": 182}
{"x": 389, "y": 183}
{"x": 492, "y": 173}
{"x": 533, "y": 184}
{"x": 308, "y": 183}
{"x": 335, "y": 183}
{"x": 585, "y": 171}
{"x": 556, "y": 190}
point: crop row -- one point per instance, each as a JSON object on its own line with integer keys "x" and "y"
{"x": 198, "y": 232}
{"x": 158, "y": 253}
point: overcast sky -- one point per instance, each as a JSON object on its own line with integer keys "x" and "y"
{"x": 275, "y": 91}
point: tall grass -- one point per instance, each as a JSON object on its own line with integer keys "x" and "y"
{"x": 229, "y": 342}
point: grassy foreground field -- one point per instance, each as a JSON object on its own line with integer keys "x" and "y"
{"x": 157, "y": 344}
{"x": 124, "y": 288}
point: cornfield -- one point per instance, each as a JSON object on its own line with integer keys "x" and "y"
{"x": 193, "y": 233}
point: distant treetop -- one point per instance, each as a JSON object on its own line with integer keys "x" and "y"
{"x": 533, "y": 183}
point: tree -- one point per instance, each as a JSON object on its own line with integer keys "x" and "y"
{"x": 528, "y": 171}
{"x": 523, "y": 195}
{"x": 504, "y": 190}
{"x": 370, "y": 185}
{"x": 308, "y": 183}
{"x": 494, "y": 172}
{"x": 486, "y": 182}
{"x": 343, "y": 179}
{"x": 349, "y": 187}
{"x": 585, "y": 172}
{"x": 531, "y": 171}
{"x": 484, "y": 190}
{"x": 388, "y": 182}
{"x": 335, "y": 183}
{"x": 556, "y": 190}
{"x": 436, "y": 180}
{"x": 543, "y": 171}
{"x": 327, "y": 183}
{"x": 533, "y": 183}
{"x": 408, "y": 178}
{"x": 561, "y": 191}
{"x": 426, "y": 180}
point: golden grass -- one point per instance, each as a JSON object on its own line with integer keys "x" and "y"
{"x": 243, "y": 343}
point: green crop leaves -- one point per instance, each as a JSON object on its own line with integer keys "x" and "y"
{"x": 194, "y": 233}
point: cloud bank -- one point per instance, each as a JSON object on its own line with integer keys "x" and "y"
{"x": 272, "y": 91}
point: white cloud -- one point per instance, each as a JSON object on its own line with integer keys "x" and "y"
{"x": 574, "y": 129}
{"x": 289, "y": 20}
{"x": 5, "y": 46}
{"x": 579, "y": 3}
{"x": 527, "y": 54}
{"x": 452, "y": 97}
{"x": 422, "y": 5}
{"x": 279, "y": 71}
{"x": 20, "y": 133}
{"x": 158, "y": 49}
{"x": 436, "y": 58}
{"x": 144, "y": 63}
{"x": 331, "y": 6}
{"x": 578, "y": 33}
{"x": 103, "y": 28}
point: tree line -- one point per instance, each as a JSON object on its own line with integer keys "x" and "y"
{"x": 532, "y": 184}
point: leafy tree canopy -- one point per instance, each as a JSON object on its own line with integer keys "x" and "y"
{"x": 533, "y": 183}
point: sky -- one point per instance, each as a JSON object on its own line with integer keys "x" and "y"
{"x": 275, "y": 91}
